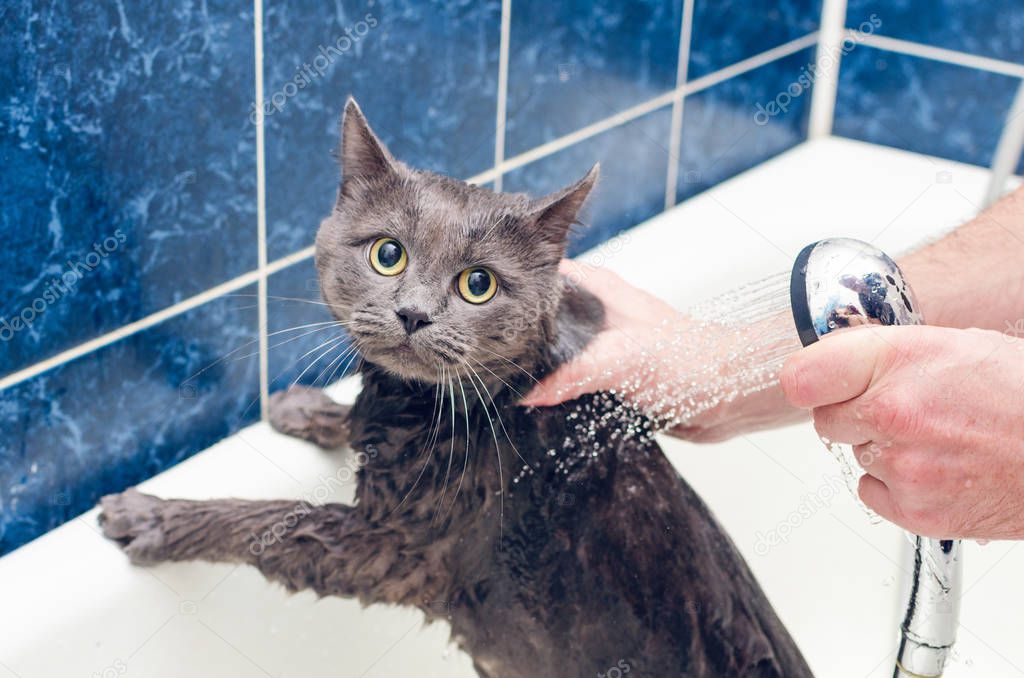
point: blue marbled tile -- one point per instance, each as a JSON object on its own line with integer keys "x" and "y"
{"x": 302, "y": 348}
{"x": 634, "y": 163}
{"x": 727, "y": 31}
{"x": 121, "y": 414}
{"x": 992, "y": 28}
{"x": 125, "y": 125}
{"x": 425, "y": 74}
{"x": 574, "y": 63}
{"x": 922, "y": 105}
{"x": 740, "y": 123}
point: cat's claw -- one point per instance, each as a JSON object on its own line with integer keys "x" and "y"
{"x": 308, "y": 413}
{"x": 133, "y": 520}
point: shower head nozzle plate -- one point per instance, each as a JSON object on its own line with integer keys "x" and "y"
{"x": 841, "y": 282}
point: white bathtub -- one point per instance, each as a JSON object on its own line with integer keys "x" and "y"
{"x": 73, "y": 606}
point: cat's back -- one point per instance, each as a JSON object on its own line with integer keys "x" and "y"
{"x": 569, "y": 543}
{"x": 619, "y": 561}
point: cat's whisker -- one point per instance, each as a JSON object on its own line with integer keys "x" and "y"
{"x": 250, "y": 343}
{"x": 298, "y": 300}
{"x": 353, "y": 355}
{"x": 331, "y": 345}
{"x": 350, "y": 350}
{"x": 493, "y": 226}
{"x": 344, "y": 370}
{"x": 277, "y": 298}
{"x": 512, "y": 363}
{"x": 290, "y": 366}
{"x": 286, "y": 341}
{"x": 493, "y": 432}
{"x": 451, "y": 452}
{"x": 251, "y": 306}
{"x": 498, "y": 415}
{"x": 498, "y": 452}
{"x": 439, "y": 408}
{"x": 507, "y": 385}
{"x": 465, "y": 459}
{"x": 562, "y": 406}
{"x": 330, "y": 323}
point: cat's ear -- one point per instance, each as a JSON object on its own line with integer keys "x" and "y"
{"x": 555, "y": 214}
{"x": 363, "y": 156}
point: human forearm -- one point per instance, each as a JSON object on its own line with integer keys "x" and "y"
{"x": 709, "y": 378}
{"x": 974, "y": 277}
{"x": 704, "y": 376}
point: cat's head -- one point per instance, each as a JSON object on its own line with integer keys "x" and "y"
{"x": 433, "y": 274}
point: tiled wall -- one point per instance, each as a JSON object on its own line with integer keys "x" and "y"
{"x": 150, "y": 222}
{"x": 932, "y": 76}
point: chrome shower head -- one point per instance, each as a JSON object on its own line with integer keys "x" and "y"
{"x": 837, "y": 283}
{"x": 841, "y": 282}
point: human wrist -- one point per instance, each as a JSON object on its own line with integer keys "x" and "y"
{"x": 728, "y": 383}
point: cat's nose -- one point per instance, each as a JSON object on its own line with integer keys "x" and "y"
{"x": 412, "y": 319}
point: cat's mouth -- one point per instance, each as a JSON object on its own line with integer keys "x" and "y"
{"x": 407, "y": 357}
{"x": 404, "y": 348}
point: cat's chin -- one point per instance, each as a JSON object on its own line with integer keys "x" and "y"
{"x": 405, "y": 363}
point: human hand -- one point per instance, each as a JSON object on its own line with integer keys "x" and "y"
{"x": 936, "y": 418}
{"x": 615, "y": 356}
{"x": 675, "y": 369}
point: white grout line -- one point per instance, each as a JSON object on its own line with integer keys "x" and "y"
{"x": 749, "y": 64}
{"x": 485, "y": 176}
{"x": 261, "y": 214}
{"x": 675, "y": 134}
{"x": 499, "y": 134}
{"x": 826, "y": 72}
{"x": 267, "y": 269}
{"x": 131, "y": 328}
{"x": 948, "y": 56}
{"x": 1008, "y": 151}
{"x": 579, "y": 135}
{"x": 293, "y": 258}
{"x": 630, "y": 114}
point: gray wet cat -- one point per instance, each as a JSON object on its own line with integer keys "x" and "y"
{"x": 558, "y": 544}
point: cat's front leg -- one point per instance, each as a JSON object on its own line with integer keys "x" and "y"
{"x": 308, "y": 413}
{"x": 293, "y": 542}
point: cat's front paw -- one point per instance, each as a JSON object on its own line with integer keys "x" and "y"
{"x": 133, "y": 520}
{"x": 308, "y": 413}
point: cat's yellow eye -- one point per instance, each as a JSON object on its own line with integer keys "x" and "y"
{"x": 388, "y": 257}
{"x": 477, "y": 285}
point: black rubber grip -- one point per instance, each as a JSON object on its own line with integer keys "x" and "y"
{"x": 798, "y": 297}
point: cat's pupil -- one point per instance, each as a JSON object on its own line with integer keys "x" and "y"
{"x": 389, "y": 254}
{"x": 478, "y": 282}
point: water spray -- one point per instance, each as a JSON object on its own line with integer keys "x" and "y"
{"x": 749, "y": 334}
{"x": 837, "y": 283}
